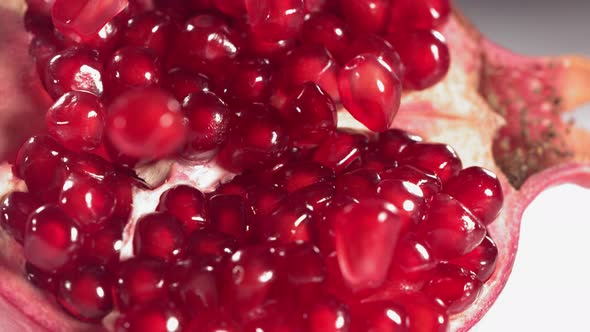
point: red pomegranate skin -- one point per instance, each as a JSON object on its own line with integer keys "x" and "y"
{"x": 436, "y": 114}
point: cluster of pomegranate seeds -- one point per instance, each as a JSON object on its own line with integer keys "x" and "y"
{"x": 322, "y": 228}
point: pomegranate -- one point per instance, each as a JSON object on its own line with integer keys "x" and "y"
{"x": 287, "y": 165}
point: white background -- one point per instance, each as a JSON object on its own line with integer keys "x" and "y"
{"x": 549, "y": 289}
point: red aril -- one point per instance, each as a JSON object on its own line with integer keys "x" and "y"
{"x": 481, "y": 260}
{"x": 290, "y": 223}
{"x": 391, "y": 143}
{"x": 250, "y": 82}
{"x": 376, "y": 45}
{"x": 416, "y": 15}
{"x": 104, "y": 245}
{"x": 340, "y": 150}
{"x": 406, "y": 196}
{"x": 233, "y": 8}
{"x": 152, "y": 30}
{"x": 158, "y": 235}
{"x": 327, "y": 30}
{"x": 187, "y": 204}
{"x": 139, "y": 281}
{"x": 210, "y": 244}
{"x": 328, "y": 315}
{"x": 151, "y": 318}
{"x": 195, "y": 286}
{"x": 380, "y": 316}
{"x": 182, "y": 83}
{"x": 275, "y": 20}
{"x": 453, "y": 286}
{"x": 360, "y": 183}
{"x": 228, "y": 214}
{"x": 295, "y": 176}
{"x": 131, "y": 68}
{"x": 365, "y": 15}
{"x": 428, "y": 183}
{"x": 438, "y": 159}
{"x": 264, "y": 200}
{"x": 74, "y": 69}
{"x": 14, "y": 212}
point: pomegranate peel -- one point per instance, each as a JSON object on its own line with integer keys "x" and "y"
{"x": 464, "y": 119}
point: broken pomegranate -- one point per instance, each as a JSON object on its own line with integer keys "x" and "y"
{"x": 287, "y": 165}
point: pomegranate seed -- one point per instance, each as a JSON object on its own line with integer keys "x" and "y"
{"x": 479, "y": 190}
{"x": 455, "y": 287}
{"x": 370, "y": 91}
{"x": 391, "y": 143}
{"x": 91, "y": 165}
{"x": 130, "y": 68}
{"x": 360, "y": 231}
{"x": 104, "y": 245}
{"x": 406, "y": 196}
{"x": 325, "y": 29}
{"x": 158, "y": 235}
{"x": 412, "y": 260}
{"x": 187, "y": 204}
{"x": 87, "y": 201}
{"x": 146, "y": 123}
{"x": 207, "y": 44}
{"x": 305, "y": 272}
{"x": 315, "y": 6}
{"x": 340, "y": 150}
{"x": 152, "y": 30}
{"x": 195, "y": 286}
{"x": 82, "y": 19}
{"x": 295, "y": 176}
{"x": 325, "y": 226}
{"x": 45, "y": 281}
{"x": 104, "y": 41}
{"x": 416, "y": 15}
{"x": 277, "y": 322}
{"x": 429, "y": 184}
{"x": 151, "y": 318}
{"x": 214, "y": 321}
{"x": 328, "y": 315}
{"x": 233, "y": 8}
{"x": 248, "y": 278}
{"x": 316, "y": 195}
{"x": 86, "y": 293}
{"x": 379, "y": 47}
{"x": 42, "y": 49}
{"x": 440, "y": 159}
{"x": 425, "y": 56}
{"x": 201, "y": 5}
{"x": 76, "y": 121}
{"x": 74, "y": 69}
{"x": 228, "y": 214}
{"x": 250, "y": 82}
{"x": 360, "y": 183}
{"x": 481, "y": 260}
{"x": 182, "y": 83}
{"x": 381, "y": 316}
{"x": 14, "y": 212}
{"x": 365, "y": 15}
{"x": 40, "y": 162}
{"x": 240, "y": 185}
{"x": 205, "y": 243}
{"x": 177, "y": 10}
{"x": 449, "y": 229}
{"x": 258, "y": 139}
{"x": 139, "y": 281}
{"x": 275, "y": 20}
{"x": 310, "y": 116}
{"x": 122, "y": 188}
{"x": 209, "y": 123}
{"x": 273, "y": 50}
{"x": 52, "y": 239}
{"x": 424, "y": 313}
{"x": 289, "y": 223}
{"x": 264, "y": 200}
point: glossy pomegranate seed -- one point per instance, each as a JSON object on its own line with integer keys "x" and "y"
{"x": 264, "y": 200}
{"x": 76, "y": 121}
{"x": 182, "y": 83}
{"x": 87, "y": 201}
{"x": 315, "y": 6}
{"x": 449, "y": 229}
{"x": 273, "y": 50}
{"x": 159, "y": 235}
{"x": 328, "y": 315}
{"x": 139, "y": 281}
{"x": 86, "y": 293}
{"x": 381, "y": 316}
{"x": 440, "y": 159}
{"x": 412, "y": 261}
{"x": 194, "y": 285}
{"x": 52, "y": 239}
{"x": 375, "y": 45}
{"x": 248, "y": 278}
{"x": 214, "y": 321}
{"x": 360, "y": 183}
{"x": 429, "y": 184}
{"x": 391, "y": 143}
{"x": 130, "y": 68}
{"x": 152, "y": 30}
{"x": 104, "y": 245}
{"x": 14, "y": 212}
{"x": 104, "y": 41}
{"x": 275, "y": 20}
{"x": 207, "y": 44}
{"x": 424, "y": 313}
{"x": 40, "y": 162}
{"x": 82, "y": 19}
{"x": 309, "y": 64}
{"x": 416, "y": 15}
{"x": 305, "y": 273}
{"x": 44, "y": 280}
{"x": 360, "y": 231}
{"x": 209, "y": 120}
{"x": 289, "y": 223}
{"x": 425, "y": 56}
{"x": 295, "y": 176}
{"x": 250, "y": 81}
{"x": 187, "y": 204}
{"x": 146, "y": 123}
{"x": 74, "y": 69}
{"x": 310, "y": 116}
{"x": 177, "y": 10}
{"x": 455, "y": 287}
{"x": 481, "y": 260}
{"x": 151, "y": 318}
{"x": 340, "y": 150}
{"x": 365, "y": 15}
{"x": 91, "y": 165}
{"x": 123, "y": 190}
{"x": 228, "y": 214}
{"x": 42, "y": 48}
{"x": 330, "y": 31}
{"x": 206, "y": 243}
{"x": 258, "y": 138}
{"x": 479, "y": 190}
{"x": 370, "y": 90}
{"x": 233, "y": 8}
{"x": 406, "y": 196}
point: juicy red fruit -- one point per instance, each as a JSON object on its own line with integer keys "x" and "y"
{"x": 14, "y": 212}
{"x": 158, "y": 235}
{"x": 415, "y": 15}
{"x": 74, "y": 69}
{"x": 187, "y": 204}
{"x": 274, "y": 20}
